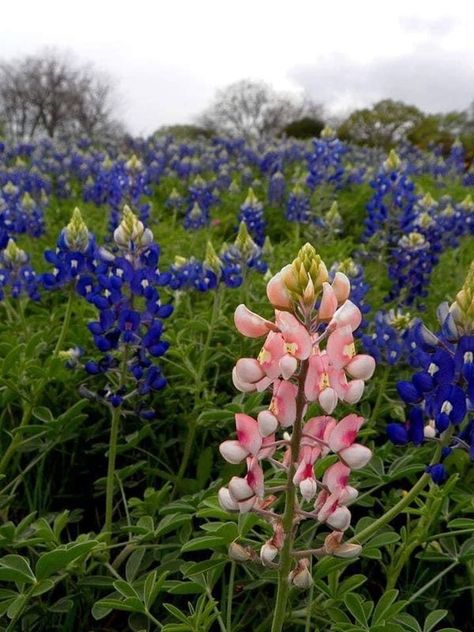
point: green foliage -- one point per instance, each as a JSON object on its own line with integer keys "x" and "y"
{"x": 167, "y": 567}
{"x": 304, "y": 128}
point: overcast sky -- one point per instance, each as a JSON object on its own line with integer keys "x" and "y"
{"x": 169, "y": 57}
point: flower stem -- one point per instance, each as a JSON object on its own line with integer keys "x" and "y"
{"x": 109, "y": 493}
{"x": 230, "y": 596}
{"x": 66, "y": 321}
{"x": 290, "y": 505}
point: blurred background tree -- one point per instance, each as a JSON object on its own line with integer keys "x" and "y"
{"x": 50, "y": 95}
{"x": 254, "y": 110}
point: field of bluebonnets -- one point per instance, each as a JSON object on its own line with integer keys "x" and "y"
{"x": 325, "y": 482}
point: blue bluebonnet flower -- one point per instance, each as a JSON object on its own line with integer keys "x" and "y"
{"x": 440, "y": 396}
{"x": 197, "y": 217}
{"x": 276, "y": 189}
{"x": 298, "y": 206}
{"x": 191, "y": 274}
{"x": 388, "y": 339}
{"x": 17, "y": 277}
{"x": 251, "y": 212}
{"x": 75, "y": 254}
{"x": 20, "y": 213}
{"x": 393, "y": 196}
{"x": 130, "y": 324}
{"x": 325, "y": 164}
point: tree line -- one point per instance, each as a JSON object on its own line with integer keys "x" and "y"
{"x": 51, "y": 95}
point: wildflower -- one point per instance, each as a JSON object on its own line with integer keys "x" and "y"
{"x": 308, "y": 355}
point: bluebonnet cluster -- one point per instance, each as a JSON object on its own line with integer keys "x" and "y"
{"x": 74, "y": 258}
{"x": 251, "y": 212}
{"x": 115, "y": 183}
{"x": 201, "y": 198}
{"x": 17, "y": 277}
{"x": 229, "y": 267}
{"x": 276, "y": 189}
{"x": 325, "y": 165}
{"x": 440, "y": 396}
{"x": 394, "y": 196}
{"x": 388, "y": 339}
{"x": 19, "y": 212}
{"x": 130, "y": 327}
{"x": 298, "y": 206}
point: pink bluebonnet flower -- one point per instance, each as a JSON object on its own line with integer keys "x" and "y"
{"x": 307, "y": 356}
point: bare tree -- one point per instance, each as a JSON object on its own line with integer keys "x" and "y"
{"x": 254, "y": 110}
{"x": 49, "y": 94}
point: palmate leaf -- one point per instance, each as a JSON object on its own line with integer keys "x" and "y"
{"x": 15, "y": 568}
{"x": 53, "y": 561}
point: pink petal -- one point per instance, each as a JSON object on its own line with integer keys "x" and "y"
{"x": 347, "y": 314}
{"x": 328, "y": 400}
{"x": 295, "y": 335}
{"x": 361, "y": 367}
{"x": 356, "y": 456}
{"x": 341, "y": 286}
{"x": 354, "y": 391}
{"x": 267, "y": 452}
{"x": 277, "y": 293}
{"x": 249, "y": 370}
{"x": 308, "y": 488}
{"x": 311, "y": 384}
{"x": 247, "y": 433}
{"x": 288, "y": 366}
{"x": 336, "y": 477}
{"x": 255, "y": 478}
{"x": 340, "y": 347}
{"x": 283, "y": 404}
{"x": 243, "y": 387}
{"x": 345, "y": 432}
{"x": 239, "y": 489}
{"x": 267, "y": 423}
{"x": 226, "y": 501}
{"x": 328, "y": 303}
{"x": 233, "y": 451}
{"x": 340, "y": 519}
{"x": 270, "y": 355}
{"x": 250, "y": 324}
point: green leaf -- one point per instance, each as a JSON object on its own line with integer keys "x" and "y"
{"x": 171, "y": 522}
{"x": 353, "y": 603}
{"x": 125, "y": 589}
{"x": 383, "y": 605}
{"x": 433, "y": 619}
{"x": 133, "y": 564}
{"x": 204, "y": 466}
{"x": 408, "y": 622}
{"x": 462, "y": 523}
{"x": 152, "y": 587}
{"x": 16, "y": 606}
{"x": 43, "y": 414}
{"x": 15, "y": 568}
{"x": 201, "y": 543}
{"x": 383, "y": 539}
{"x": 202, "y": 567}
{"x": 131, "y": 604}
{"x": 42, "y": 587}
{"x": 57, "y": 560}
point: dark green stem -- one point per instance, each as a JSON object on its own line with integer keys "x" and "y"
{"x": 286, "y": 558}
